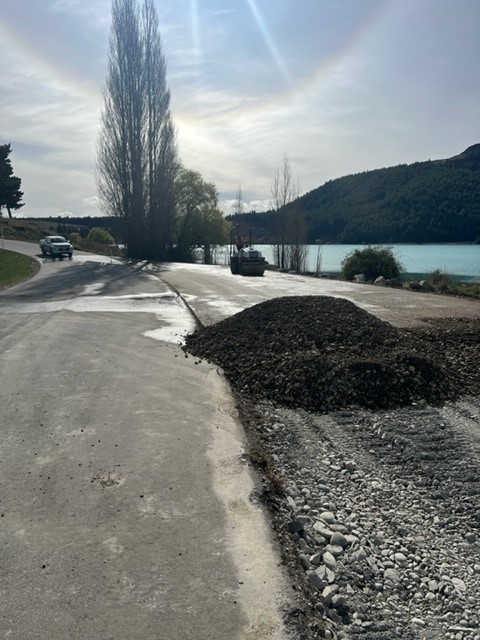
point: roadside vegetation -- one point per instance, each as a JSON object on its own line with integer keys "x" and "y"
{"x": 27, "y": 230}
{"x": 100, "y": 241}
{"x": 15, "y": 268}
{"x": 97, "y": 240}
{"x": 442, "y": 282}
{"x": 372, "y": 262}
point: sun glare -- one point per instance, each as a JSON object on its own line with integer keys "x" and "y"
{"x": 279, "y": 61}
{"x": 195, "y": 29}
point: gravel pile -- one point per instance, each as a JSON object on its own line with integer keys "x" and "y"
{"x": 323, "y": 354}
{"x": 367, "y": 438}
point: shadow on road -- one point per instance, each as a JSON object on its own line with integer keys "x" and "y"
{"x": 112, "y": 280}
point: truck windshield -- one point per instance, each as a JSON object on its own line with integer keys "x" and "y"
{"x": 57, "y": 239}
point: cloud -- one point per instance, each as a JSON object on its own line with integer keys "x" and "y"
{"x": 96, "y": 13}
{"x": 52, "y": 124}
{"x": 93, "y": 202}
{"x": 260, "y": 205}
{"x": 64, "y": 5}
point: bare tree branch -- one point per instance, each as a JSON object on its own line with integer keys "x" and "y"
{"x": 289, "y": 230}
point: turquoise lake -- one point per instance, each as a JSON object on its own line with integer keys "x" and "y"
{"x": 459, "y": 260}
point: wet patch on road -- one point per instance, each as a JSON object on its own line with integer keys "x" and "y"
{"x": 175, "y": 319}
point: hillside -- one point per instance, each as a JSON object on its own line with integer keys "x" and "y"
{"x": 433, "y": 201}
{"x": 27, "y": 230}
{"x": 32, "y": 229}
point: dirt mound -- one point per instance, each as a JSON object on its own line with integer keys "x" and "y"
{"x": 323, "y": 354}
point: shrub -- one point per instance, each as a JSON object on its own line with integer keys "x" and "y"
{"x": 96, "y": 234}
{"x": 440, "y": 280}
{"x": 75, "y": 239}
{"x": 470, "y": 290}
{"x": 444, "y": 283}
{"x": 372, "y": 262}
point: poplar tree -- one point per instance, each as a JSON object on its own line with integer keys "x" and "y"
{"x": 137, "y": 155}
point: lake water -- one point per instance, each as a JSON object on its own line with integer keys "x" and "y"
{"x": 461, "y": 260}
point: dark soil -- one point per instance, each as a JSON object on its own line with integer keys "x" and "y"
{"x": 325, "y": 354}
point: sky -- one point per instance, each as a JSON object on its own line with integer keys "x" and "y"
{"x": 336, "y": 86}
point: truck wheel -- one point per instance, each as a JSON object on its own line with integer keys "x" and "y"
{"x": 53, "y": 258}
{"x": 44, "y": 252}
{"x": 234, "y": 265}
{"x": 60, "y": 257}
{"x": 69, "y": 256}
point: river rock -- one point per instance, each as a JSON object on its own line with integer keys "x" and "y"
{"x": 329, "y": 560}
{"x": 322, "y": 530}
{"x": 338, "y": 538}
{"x": 392, "y": 575}
{"x": 327, "y": 517}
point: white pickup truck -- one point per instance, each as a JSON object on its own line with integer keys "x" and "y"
{"x": 56, "y": 247}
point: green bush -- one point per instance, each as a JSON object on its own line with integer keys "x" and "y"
{"x": 372, "y": 262}
{"x": 75, "y": 239}
{"x": 96, "y": 234}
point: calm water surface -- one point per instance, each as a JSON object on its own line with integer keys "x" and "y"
{"x": 417, "y": 259}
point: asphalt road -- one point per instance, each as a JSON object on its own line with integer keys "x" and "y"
{"x": 125, "y": 505}
{"x": 125, "y": 500}
{"x": 213, "y": 293}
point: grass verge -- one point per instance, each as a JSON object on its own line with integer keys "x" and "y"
{"x": 15, "y": 268}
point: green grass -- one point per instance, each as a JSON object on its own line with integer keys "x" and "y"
{"x": 15, "y": 268}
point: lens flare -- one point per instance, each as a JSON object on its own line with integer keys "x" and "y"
{"x": 279, "y": 61}
{"x": 195, "y": 29}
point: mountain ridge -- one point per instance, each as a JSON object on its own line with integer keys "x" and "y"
{"x": 428, "y": 201}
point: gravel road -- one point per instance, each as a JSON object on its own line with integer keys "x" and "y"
{"x": 368, "y": 441}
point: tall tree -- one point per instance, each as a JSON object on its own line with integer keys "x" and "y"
{"x": 10, "y": 194}
{"x": 162, "y": 163}
{"x": 137, "y": 156}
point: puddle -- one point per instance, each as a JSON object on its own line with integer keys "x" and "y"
{"x": 173, "y": 315}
